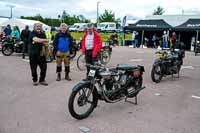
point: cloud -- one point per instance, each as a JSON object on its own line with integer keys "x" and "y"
{"x": 138, "y": 8}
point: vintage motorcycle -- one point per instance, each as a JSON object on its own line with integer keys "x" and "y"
{"x": 108, "y": 84}
{"x": 11, "y": 45}
{"x": 167, "y": 63}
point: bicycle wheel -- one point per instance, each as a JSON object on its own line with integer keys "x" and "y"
{"x": 81, "y": 63}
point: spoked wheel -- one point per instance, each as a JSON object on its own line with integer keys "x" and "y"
{"x": 105, "y": 57}
{"x": 82, "y": 102}
{"x": 7, "y": 50}
{"x": 156, "y": 74}
{"x": 81, "y": 63}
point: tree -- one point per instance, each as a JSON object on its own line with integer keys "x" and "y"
{"x": 107, "y": 16}
{"x": 158, "y": 11}
{"x": 118, "y": 22}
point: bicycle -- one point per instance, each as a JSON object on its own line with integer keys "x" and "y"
{"x": 103, "y": 58}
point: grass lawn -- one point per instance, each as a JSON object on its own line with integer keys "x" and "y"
{"x": 104, "y": 36}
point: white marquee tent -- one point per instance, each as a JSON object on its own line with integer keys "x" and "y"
{"x": 21, "y": 23}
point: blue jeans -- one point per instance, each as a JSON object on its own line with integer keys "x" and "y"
{"x": 165, "y": 45}
{"x": 135, "y": 43}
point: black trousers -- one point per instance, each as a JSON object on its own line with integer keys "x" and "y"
{"x": 36, "y": 61}
{"x": 25, "y": 48}
{"x": 89, "y": 59}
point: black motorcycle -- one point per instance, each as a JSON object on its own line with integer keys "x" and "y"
{"x": 167, "y": 63}
{"x": 74, "y": 48}
{"x": 110, "y": 85}
{"x": 11, "y": 45}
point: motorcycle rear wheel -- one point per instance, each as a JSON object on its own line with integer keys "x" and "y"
{"x": 7, "y": 50}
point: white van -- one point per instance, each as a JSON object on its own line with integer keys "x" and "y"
{"x": 78, "y": 27}
{"x": 106, "y": 26}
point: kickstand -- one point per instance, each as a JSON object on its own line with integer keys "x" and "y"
{"x": 126, "y": 100}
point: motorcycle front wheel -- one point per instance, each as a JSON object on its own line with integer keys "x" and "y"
{"x": 156, "y": 74}
{"x": 7, "y": 50}
{"x": 82, "y": 102}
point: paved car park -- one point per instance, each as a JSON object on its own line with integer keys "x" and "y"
{"x": 171, "y": 106}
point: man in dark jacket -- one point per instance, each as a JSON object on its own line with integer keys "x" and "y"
{"x": 62, "y": 43}
{"x": 25, "y": 37}
{"x": 36, "y": 56}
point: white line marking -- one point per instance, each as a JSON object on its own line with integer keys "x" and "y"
{"x": 139, "y": 52}
{"x": 25, "y": 60}
{"x": 196, "y": 97}
{"x": 187, "y": 67}
{"x": 136, "y": 60}
{"x": 157, "y": 94}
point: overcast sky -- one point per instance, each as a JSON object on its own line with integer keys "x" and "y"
{"x": 139, "y": 8}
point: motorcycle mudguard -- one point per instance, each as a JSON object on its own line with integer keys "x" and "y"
{"x": 77, "y": 86}
{"x": 157, "y": 62}
{"x": 141, "y": 68}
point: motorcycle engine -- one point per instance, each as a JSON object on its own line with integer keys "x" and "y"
{"x": 123, "y": 79}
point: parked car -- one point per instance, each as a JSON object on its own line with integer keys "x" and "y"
{"x": 106, "y": 27}
{"x": 78, "y": 27}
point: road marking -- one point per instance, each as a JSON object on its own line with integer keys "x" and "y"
{"x": 1, "y": 55}
{"x": 157, "y": 94}
{"x": 137, "y": 60}
{"x": 139, "y": 52}
{"x": 187, "y": 67}
{"x": 84, "y": 129}
{"x": 26, "y": 60}
{"x": 196, "y": 97}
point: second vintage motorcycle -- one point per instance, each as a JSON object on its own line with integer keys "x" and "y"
{"x": 167, "y": 63}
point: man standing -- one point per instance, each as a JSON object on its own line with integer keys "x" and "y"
{"x": 173, "y": 40}
{"x": 62, "y": 43}
{"x": 133, "y": 39}
{"x": 154, "y": 40}
{"x": 36, "y": 56}
{"x": 165, "y": 39}
{"x": 24, "y": 37}
{"x": 91, "y": 45}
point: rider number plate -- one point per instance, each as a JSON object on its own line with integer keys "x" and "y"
{"x": 92, "y": 73}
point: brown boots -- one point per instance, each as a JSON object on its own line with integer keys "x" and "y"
{"x": 66, "y": 77}
{"x": 58, "y": 76}
{"x": 67, "y": 70}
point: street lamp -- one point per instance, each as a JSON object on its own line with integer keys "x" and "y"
{"x": 11, "y": 7}
{"x": 98, "y": 11}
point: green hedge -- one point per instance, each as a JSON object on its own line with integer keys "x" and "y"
{"x": 104, "y": 36}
